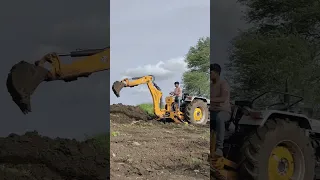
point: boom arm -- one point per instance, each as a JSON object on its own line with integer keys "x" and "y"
{"x": 24, "y": 77}
{"x": 155, "y": 91}
{"x": 96, "y": 60}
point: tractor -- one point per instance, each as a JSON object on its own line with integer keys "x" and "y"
{"x": 193, "y": 109}
{"x": 272, "y": 139}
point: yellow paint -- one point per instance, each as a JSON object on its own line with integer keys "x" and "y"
{"x": 281, "y": 156}
{"x": 197, "y": 114}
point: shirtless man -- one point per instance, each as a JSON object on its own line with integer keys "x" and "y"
{"x": 220, "y": 109}
{"x": 177, "y": 93}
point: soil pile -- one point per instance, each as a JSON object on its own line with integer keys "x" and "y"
{"x": 126, "y": 113}
{"x": 31, "y": 156}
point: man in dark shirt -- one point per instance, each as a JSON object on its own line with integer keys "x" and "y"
{"x": 220, "y": 108}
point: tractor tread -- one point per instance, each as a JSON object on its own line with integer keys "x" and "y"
{"x": 252, "y": 147}
{"x": 189, "y": 111}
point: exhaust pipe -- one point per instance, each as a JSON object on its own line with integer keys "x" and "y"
{"x": 22, "y": 81}
{"x": 116, "y": 87}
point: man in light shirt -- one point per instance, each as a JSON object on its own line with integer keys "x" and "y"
{"x": 177, "y": 93}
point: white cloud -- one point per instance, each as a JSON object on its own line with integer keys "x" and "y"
{"x": 161, "y": 71}
{"x": 141, "y": 89}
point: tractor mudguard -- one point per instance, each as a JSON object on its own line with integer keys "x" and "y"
{"x": 304, "y": 121}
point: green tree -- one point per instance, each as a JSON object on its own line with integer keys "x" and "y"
{"x": 196, "y": 79}
{"x": 293, "y": 16}
{"x": 262, "y": 62}
{"x": 282, "y": 45}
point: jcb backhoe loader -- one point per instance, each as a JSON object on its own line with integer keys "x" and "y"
{"x": 24, "y": 77}
{"x": 192, "y": 110}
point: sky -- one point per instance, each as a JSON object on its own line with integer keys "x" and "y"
{"x": 226, "y": 22}
{"x": 152, "y": 38}
{"x": 30, "y": 30}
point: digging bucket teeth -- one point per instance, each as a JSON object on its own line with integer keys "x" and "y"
{"x": 116, "y": 87}
{"x": 22, "y": 81}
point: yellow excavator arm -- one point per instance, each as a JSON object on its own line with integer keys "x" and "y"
{"x": 24, "y": 77}
{"x": 154, "y": 89}
{"x": 96, "y": 60}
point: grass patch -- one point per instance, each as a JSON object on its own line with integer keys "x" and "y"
{"x": 115, "y": 133}
{"x": 102, "y": 140}
{"x": 195, "y": 162}
{"x": 148, "y": 108}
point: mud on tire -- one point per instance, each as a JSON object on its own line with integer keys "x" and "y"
{"x": 259, "y": 145}
{"x": 190, "y": 108}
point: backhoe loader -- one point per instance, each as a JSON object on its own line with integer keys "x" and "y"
{"x": 274, "y": 139}
{"x": 193, "y": 109}
{"x": 24, "y": 77}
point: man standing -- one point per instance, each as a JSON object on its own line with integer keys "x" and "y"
{"x": 220, "y": 109}
{"x": 177, "y": 93}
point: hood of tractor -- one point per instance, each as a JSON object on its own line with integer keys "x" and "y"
{"x": 22, "y": 81}
{"x": 116, "y": 87}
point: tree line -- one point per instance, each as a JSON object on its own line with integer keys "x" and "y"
{"x": 281, "y": 46}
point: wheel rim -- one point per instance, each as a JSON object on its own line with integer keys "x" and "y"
{"x": 197, "y": 114}
{"x": 286, "y": 162}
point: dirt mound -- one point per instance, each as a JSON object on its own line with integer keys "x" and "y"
{"x": 31, "y": 156}
{"x": 126, "y": 113}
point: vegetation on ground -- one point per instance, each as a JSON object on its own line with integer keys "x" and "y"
{"x": 101, "y": 140}
{"x": 147, "y": 107}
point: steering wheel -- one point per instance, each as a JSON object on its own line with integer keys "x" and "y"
{"x": 277, "y": 104}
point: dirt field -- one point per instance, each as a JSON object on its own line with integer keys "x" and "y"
{"x": 33, "y": 157}
{"x": 147, "y": 149}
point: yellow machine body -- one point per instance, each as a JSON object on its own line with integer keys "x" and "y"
{"x": 162, "y": 113}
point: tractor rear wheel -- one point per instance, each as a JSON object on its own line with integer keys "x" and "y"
{"x": 197, "y": 112}
{"x": 278, "y": 150}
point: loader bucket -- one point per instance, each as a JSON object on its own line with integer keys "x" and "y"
{"x": 116, "y": 88}
{"x": 22, "y": 81}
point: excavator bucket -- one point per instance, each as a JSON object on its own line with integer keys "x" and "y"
{"x": 22, "y": 81}
{"x": 116, "y": 88}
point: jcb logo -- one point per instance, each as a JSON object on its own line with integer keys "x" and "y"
{"x": 104, "y": 59}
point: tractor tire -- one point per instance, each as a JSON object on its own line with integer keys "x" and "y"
{"x": 197, "y": 112}
{"x": 273, "y": 148}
